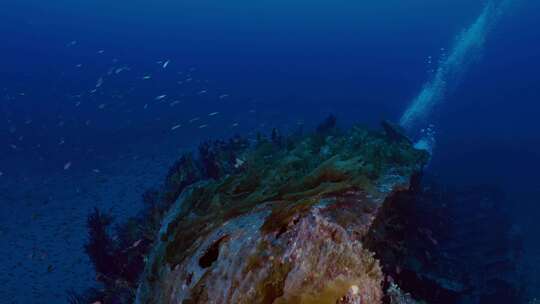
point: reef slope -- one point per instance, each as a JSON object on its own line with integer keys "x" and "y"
{"x": 285, "y": 220}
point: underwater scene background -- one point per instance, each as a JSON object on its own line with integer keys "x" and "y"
{"x": 99, "y": 101}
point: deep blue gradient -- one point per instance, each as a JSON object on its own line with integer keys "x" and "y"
{"x": 281, "y": 63}
{"x": 289, "y": 62}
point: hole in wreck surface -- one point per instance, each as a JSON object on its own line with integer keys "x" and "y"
{"x": 212, "y": 253}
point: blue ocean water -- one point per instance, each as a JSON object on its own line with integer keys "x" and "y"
{"x": 97, "y": 98}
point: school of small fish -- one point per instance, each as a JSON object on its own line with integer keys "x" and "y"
{"x": 114, "y": 103}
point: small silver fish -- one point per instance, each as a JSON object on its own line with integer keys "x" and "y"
{"x": 136, "y": 243}
{"x": 238, "y": 163}
{"x": 99, "y": 82}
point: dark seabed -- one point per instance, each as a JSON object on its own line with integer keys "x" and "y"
{"x": 120, "y": 109}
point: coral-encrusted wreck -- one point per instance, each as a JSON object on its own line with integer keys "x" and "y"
{"x": 284, "y": 221}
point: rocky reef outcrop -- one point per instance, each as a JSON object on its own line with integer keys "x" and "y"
{"x": 283, "y": 220}
{"x": 329, "y": 217}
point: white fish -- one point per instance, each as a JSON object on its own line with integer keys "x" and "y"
{"x": 121, "y": 69}
{"x": 160, "y": 97}
{"x": 145, "y": 106}
{"x": 146, "y": 77}
{"x": 13, "y": 147}
{"x": 213, "y": 114}
{"x": 101, "y": 51}
{"x": 172, "y": 104}
{"x": 203, "y": 126}
{"x": 222, "y": 96}
{"x": 67, "y": 165}
{"x": 235, "y": 124}
{"x": 96, "y": 170}
{"x": 137, "y": 242}
{"x": 175, "y": 127}
{"x": 101, "y": 106}
{"x": 202, "y": 92}
{"x": 1, "y": 173}
{"x": 62, "y": 141}
{"x": 194, "y": 119}
{"x": 79, "y": 65}
{"x": 99, "y": 82}
{"x": 238, "y": 163}
{"x": 166, "y": 63}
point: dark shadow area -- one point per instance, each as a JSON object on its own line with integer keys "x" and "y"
{"x": 451, "y": 245}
